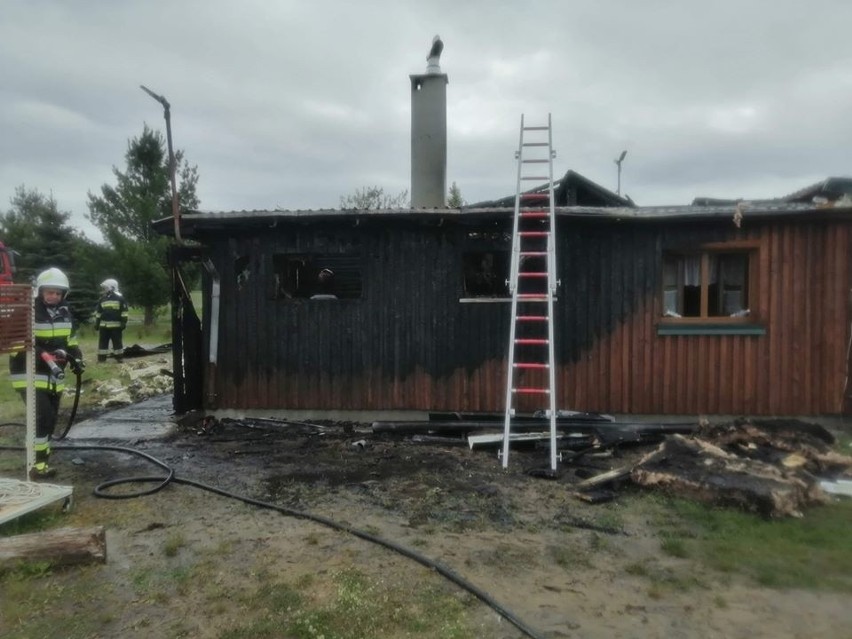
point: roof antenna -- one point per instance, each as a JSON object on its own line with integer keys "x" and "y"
{"x": 618, "y": 163}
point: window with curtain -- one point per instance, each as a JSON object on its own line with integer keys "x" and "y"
{"x": 707, "y": 284}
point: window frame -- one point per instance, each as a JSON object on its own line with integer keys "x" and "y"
{"x": 751, "y": 248}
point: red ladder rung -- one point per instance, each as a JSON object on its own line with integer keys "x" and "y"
{"x": 532, "y": 274}
{"x": 531, "y": 340}
{"x": 536, "y": 214}
{"x": 533, "y": 233}
{"x": 533, "y": 253}
{"x": 530, "y": 365}
{"x": 535, "y": 196}
{"x": 532, "y": 297}
{"x": 528, "y": 390}
{"x": 532, "y": 318}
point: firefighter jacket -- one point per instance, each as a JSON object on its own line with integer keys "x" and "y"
{"x": 111, "y": 311}
{"x": 53, "y": 329}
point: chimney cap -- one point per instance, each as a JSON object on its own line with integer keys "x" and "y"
{"x": 433, "y": 60}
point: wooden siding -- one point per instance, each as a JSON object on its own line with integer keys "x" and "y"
{"x": 409, "y": 344}
{"x": 797, "y": 368}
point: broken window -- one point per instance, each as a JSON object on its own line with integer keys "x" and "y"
{"x": 486, "y": 273}
{"x": 317, "y": 277}
{"x": 707, "y": 284}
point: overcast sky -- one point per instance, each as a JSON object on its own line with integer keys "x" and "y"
{"x": 293, "y": 104}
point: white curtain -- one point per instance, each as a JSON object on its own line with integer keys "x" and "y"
{"x": 692, "y": 270}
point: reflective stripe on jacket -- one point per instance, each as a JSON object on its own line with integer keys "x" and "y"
{"x": 111, "y": 311}
{"x": 53, "y": 329}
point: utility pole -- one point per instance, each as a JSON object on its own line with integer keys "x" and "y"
{"x": 618, "y": 164}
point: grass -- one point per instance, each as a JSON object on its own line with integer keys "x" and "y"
{"x": 812, "y": 552}
{"x": 358, "y": 607}
{"x": 843, "y": 445}
{"x": 174, "y": 543}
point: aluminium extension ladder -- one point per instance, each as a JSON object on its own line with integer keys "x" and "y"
{"x": 532, "y": 283}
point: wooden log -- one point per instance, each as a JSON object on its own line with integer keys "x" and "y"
{"x": 60, "y": 547}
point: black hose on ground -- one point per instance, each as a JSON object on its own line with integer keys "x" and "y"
{"x": 79, "y": 375}
{"x": 171, "y": 477}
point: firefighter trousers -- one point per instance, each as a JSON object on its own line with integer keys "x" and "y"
{"x": 105, "y": 336}
{"x": 47, "y": 411}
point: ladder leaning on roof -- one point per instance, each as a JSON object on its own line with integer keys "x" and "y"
{"x": 532, "y": 284}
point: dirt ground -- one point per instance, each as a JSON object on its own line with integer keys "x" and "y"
{"x": 564, "y": 567}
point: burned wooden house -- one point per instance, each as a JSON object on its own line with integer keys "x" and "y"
{"x": 718, "y": 307}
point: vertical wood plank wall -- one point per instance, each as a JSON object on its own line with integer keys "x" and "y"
{"x": 409, "y": 344}
{"x": 797, "y": 368}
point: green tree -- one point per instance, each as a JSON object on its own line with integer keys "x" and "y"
{"x": 374, "y": 197}
{"x": 40, "y": 233}
{"x": 455, "y": 199}
{"x": 124, "y": 214}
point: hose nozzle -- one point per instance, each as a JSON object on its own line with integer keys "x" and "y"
{"x": 55, "y": 369}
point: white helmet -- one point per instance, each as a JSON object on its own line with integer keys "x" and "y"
{"x": 109, "y": 285}
{"x": 52, "y": 278}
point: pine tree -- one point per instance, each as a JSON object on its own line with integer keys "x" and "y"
{"x": 455, "y": 199}
{"x": 42, "y": 237}
{"x": 124, "y": 214}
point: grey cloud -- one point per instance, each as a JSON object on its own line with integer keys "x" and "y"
{"x": 294, "y": 104}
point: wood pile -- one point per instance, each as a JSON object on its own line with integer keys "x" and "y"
{"x": 769, "y": 467}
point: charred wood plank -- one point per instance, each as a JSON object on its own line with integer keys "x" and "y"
{"x": 604, "y": 478}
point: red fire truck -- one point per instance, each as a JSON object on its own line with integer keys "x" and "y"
{"x": 7, "y": 265}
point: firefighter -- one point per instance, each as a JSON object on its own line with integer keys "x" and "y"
{"x": 55, "y": 347}
{"x": 110, "y": 321}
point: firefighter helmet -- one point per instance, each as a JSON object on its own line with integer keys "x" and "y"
{"x": 52, "y": 278}
{"x": 109, "y": 285}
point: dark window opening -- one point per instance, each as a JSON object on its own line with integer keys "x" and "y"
{"x": 486, "y": 273}
{"x": 242, "y": 270}
{"x": 317, "y": 277}
{"x": 707, "y": 284}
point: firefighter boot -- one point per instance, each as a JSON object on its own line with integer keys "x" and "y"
{"x": 40, "y": 469}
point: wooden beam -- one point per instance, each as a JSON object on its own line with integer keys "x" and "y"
{"x": 60, "y": 547}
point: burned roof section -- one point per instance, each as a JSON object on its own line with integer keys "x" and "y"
{"x": 831, "y": 190}
{"x": 572, "y": 189}
{"x": 575, "y": 197}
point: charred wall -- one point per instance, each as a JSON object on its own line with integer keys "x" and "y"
{"x": 408, "y": 342}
